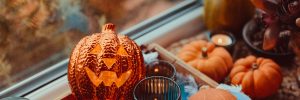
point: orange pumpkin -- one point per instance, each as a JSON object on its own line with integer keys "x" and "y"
{"x": 213, "y": 94}
{"x": 213, "y": 61}
{"x": 105, "y": 66}
{"x": 259, "y": 77}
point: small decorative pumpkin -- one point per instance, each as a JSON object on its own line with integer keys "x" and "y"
{"x": 228, "y": 15}
{"x": 213, "y": 61}
{"x": 213, "y": 94}
{"x": 105, "y": 66}
{"x": 259, "y": 77}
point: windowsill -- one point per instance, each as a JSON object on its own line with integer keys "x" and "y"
{"x": 60, "y": 87}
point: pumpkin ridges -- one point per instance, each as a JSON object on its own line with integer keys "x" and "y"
{"x": 259, "y": 81}
{"x": 214, "y": 73}
{"x": 219, "y": 95}
{"x": 239, "y": 62}
{"x": 271, "y": 64}
{"x": 200, "y": 62}
{"x": 225, "y": 55}
{"x": 265, "y": 61}
{"x": 237, "y": 69}
{"x": 109, "y": 43}
{"x": 194, "y": 63}
{"x": 193, "y": 46}
{"x": 186, "y": 52}
{"x": 79, "y": 62}
{"x": 259, "y": 60}
{"x": 198, "y": 44}
{"x": 187, "y": 55}
{"x": 140, "y": 70}
{"x": 205, "y": 70}
{"x": 267, "y": 77}
{"x": 189, "y": 48}
{"x": 71, "y": 67}
{"x": 222, "y": 71}
{"x": 251, "y": 59}
{"x": 195, "y": 55}
{"x": 275, "y": 76}
{"x": 129, "y": 56}
{"x": 212, "y": 94}
{"x": 141, "y": 61}
{"x": 225, "y": 96}
{"x": 79, "y": 65}
{"x": 248, "y": 61}
{"x": 124, "y": 41}
{"x": 268, "y": 62}
{"x": 238, "y": 78}
{"x": 83, "y": 83}
{"x": 247, "y": 83}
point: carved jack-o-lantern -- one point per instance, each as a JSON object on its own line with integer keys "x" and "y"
{"x": 105, "y": 66}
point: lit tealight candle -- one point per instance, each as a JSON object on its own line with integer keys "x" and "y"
{"x": 221, "y": 39}
{"x": 160, "y": 68}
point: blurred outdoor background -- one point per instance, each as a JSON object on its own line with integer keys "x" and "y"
{"x": 35, "y": 34}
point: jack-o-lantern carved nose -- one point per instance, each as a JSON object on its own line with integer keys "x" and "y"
{"x": 109, "y": 62}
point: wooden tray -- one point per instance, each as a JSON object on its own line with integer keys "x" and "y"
{"x": 182, "y": 67}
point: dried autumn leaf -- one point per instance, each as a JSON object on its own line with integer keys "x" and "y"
{"x": 270, "y": 37}
{"x": 268, "y": 6}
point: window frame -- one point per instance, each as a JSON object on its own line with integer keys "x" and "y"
{"x": 59, "y": 70}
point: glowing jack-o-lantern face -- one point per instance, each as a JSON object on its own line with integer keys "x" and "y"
{"x": 108, "y": 77}
{"x": 105, "y": 66}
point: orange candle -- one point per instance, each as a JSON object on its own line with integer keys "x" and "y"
{"x": 221, "y": 39}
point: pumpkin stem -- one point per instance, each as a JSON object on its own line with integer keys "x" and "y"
{"x": 204, "y": 52}
{"x": 108, "y": 28}
{"x": 254, "y": 66}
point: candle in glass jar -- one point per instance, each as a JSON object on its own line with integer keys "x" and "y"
{"x": 160, "y": 68}
{"x": 221, "y": 39}
{"x": 157, "y": 88}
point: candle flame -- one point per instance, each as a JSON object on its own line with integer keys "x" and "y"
{"x": 156, "y": 70}
{"x": 220, "y": 41}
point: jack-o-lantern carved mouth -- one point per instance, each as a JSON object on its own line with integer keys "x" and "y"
{"x": 107, "y": 77}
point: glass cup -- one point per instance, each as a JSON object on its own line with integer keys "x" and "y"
{"x": 157, "y": 88}
{"x": 161, "y": 68}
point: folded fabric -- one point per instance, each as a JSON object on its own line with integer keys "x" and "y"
{"x": 234, "y": 90}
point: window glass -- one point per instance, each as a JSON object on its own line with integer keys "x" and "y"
{"x": 35, "y": 34}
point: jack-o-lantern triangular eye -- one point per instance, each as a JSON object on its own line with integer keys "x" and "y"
{"x": 109, "y": 62}
{"x": 97, "y": 49}
{"x": 122, "y": 51}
